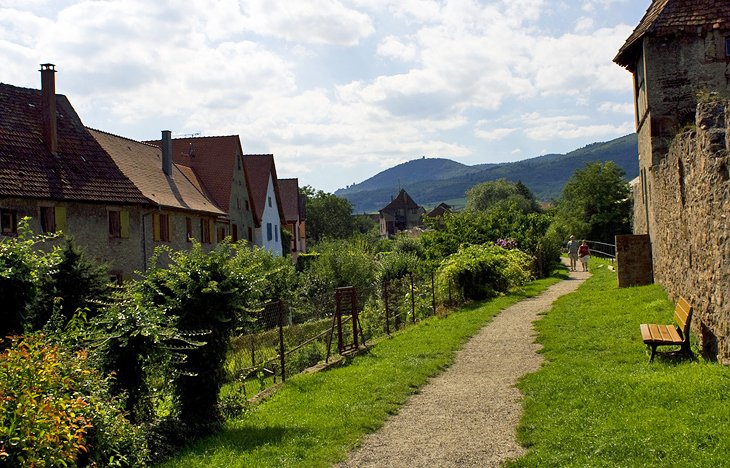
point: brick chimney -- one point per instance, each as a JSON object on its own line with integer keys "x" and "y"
{"x": 166, "y": 146}
{"x": 48, "y": 106}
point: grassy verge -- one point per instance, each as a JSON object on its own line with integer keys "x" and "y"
{"x": 598, "y": 402}
{"x": 315, "y": 419}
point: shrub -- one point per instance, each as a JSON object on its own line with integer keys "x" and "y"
{"x": 480, "y": 271}
{"x": 56, "y": 410}
{"x": 21, "y": 266}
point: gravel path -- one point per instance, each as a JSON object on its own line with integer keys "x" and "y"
{"x": 467, "y": 416}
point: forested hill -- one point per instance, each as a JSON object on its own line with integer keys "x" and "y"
{"x": 430, "y": 181}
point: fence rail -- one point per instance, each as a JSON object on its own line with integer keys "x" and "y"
{"x": 602, "y": 249}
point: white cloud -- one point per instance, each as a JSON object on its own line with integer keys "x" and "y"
{"x": 494, "y": 134}
{"x": 542, "y": 128}
{"x": 392, "y": 47}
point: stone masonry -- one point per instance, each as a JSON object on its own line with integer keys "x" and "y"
{"x": 691, "y": 203}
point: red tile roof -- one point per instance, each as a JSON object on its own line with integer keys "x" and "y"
{"x": 81, "y": 171}
{"x": 665, "y": 17}
{"x": 289, "y": 191}
{"x": 142, "y": 163}
{"x": 213, "y": 160}
{"x": 258, "y": 168}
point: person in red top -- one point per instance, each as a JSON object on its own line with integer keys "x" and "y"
{"x": 583, "y": 253}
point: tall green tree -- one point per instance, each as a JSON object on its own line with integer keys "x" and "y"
{"x": 595, "y": 204}
{"x": 328, "y": 216}
{"x": 500, "y": 193}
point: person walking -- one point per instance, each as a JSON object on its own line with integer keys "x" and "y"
{"x": 584, "y": 252}
{"x": 573, "y": 252}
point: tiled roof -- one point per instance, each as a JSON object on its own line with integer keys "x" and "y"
{"x": 666, "y": 17}
{"x": 258, "y": 167}
{"x": 289, "y": 191}
{"x": 402, "y": 201}
{"x": 82, "y": 170}
{"x": 213, "y": 160}
{"x": 440, "y": 210}
{"x": 142, "y": 163}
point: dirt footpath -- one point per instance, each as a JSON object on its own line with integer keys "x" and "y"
{"x": 467, "y": 416}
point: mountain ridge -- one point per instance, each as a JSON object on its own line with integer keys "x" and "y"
{"x": 430, "y": 181}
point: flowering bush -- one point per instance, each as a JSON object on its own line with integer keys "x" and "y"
{"x": 54, "y": 410}
{"x": 508, "y": 244}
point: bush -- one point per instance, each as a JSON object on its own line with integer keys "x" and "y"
{"x": 481, "y": 271}
{"x": 56, "y": 410}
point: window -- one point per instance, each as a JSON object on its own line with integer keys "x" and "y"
{"x": 727, "y": 47}
{"x": 161, "y": 227}
{"x": 250, "y": 234}
{"x": 48, "y": 219}
{"x": 9, "y": 222}
{"x": 269, "y": 233}
{"x": 115, "y": 224}
{"x": 276, "y": 233}
{"x": 238, "y": 162}
{"x": 188, "y": 229}
{"x": 247, "y": 209}
{"x": 269, "y": 201}
{"x": 238, "y": 203}
{"x": 221, "y": 234}
{"x": 116, "y": 277}
{"x": 234, "y": 232}
{"x": 118, "y": 224}
{"x": 205, "y": 231}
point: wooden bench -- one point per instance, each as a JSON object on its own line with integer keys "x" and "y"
{"x": 670, "y": 335}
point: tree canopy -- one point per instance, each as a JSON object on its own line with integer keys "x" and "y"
{"x": 488, "y": 195}
{"x": 595, "y": 203}
{"x": 328, "y": 216}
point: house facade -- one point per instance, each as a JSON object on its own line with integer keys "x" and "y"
{"x": 266, "y": 205}
{"x": 180, "y": 211}
{"x": 217, "y": 164}
{"x": 294, "y": 215}
{"x": 53, "y": 171}
{"x": 401, "y": 214}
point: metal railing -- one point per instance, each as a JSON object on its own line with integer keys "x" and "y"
{"x": 602, "y": 249}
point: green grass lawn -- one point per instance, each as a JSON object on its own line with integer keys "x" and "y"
{"x": 315, "y": 419}
{"x": 598, "y": 402}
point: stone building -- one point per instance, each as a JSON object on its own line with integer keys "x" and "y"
{"x": 401, "y": 214}
{"x": 679, "y": 56}
{"x": 114, "y": 196}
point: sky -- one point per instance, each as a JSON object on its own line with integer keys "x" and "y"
{"x": 337, "y": 90}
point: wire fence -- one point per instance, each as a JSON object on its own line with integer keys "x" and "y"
{"x": 287, "y": 338}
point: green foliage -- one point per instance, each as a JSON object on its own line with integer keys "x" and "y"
{"x": 479, "y": 271}
{"x": 407, "y": 244}
{"x": 596, "y": 203}
{"x": 207, "y": 293}
{"x": 342, "y": 263}
{"x": 328, "y": 216}
{"x": 488, "y": 195}
{"x": 529, "y": 230}
{"x": 73, "y": 283}
{"x": 22, "y": 265}
{"x": 56, "y": 410}
{"x": 396, "y": 265}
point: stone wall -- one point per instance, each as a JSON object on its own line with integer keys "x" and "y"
{"x": 691, "y": 206}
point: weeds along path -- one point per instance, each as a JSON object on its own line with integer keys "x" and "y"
{"x": 467, "y": 416}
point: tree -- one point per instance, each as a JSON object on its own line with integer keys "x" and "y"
{"x": 328, "y": 216}
{"x": 488, "y": 195}
{"x": 595, "y": 203}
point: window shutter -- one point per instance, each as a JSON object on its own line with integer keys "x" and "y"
{"x": 169, "y": 228}
{"x": 124, "y": 222}
{"x": 156, "y": 226}
{"x": 60, "y": 218}
{"x": 211, "y": 229}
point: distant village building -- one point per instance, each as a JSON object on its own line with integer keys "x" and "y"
{"x": 440, "y": 210}
{"x": 401, "y": 214}
{"x": 679, "y": 56}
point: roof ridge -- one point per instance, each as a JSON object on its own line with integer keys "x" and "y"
{"x": 122, "y": 137}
